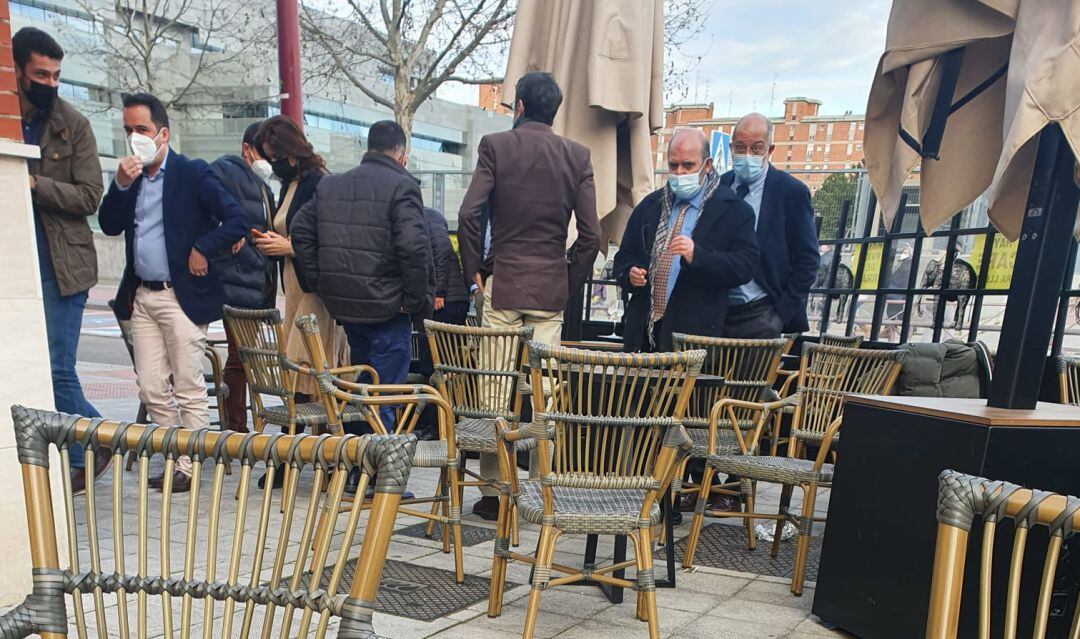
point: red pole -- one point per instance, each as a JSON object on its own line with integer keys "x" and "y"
{"x": 292, "y": 99}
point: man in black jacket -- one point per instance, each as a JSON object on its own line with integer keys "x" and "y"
{"x": 685, "y": 247}
{"x": 248, "y": 277}
{"x": 363, "y": 246}
{"x": 451, "y": 295}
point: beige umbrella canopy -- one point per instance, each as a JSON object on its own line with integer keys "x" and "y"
{"x": 1019, "y": 71}
{"x": 607, "y": 56}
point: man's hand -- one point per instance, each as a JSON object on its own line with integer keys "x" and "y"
{"x": 239, "y": 245}
{"x": 274, "y": 245}
{"x": 479, "y": 281}
{"x": 684, "y": 247}
{"x": 197, "y": 263}
{"x": 440, "y": 302}
{"x": 639, "y": 277}
{"x": 129, "y": 170}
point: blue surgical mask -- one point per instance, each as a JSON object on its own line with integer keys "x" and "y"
{"x": 747, "y": 167}
{"x": 685, "y": 186}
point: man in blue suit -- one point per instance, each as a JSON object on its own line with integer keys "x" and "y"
{"x": 175, "y": 215}
{"x": 774, "y": 302}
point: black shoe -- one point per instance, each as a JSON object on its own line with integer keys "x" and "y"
{"x": 279, "y": 479}
{"x": 726, "y": 504}
{"x": 181, "y": 483}
{"x": 676, "y": 517}
{"x": 427, "y": 435}
{"x": 487, "y": 508}
{"x": 352, "y": 482}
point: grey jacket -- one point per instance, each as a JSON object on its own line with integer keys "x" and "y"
{"x": 363, "y": 246}
{"x": 68, "y": 192}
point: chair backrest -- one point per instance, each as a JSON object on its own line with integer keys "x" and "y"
{"x": 748, "y": 366}
{"x": 479, "y": 370}
{"x": 610, "y": 415}
{"x": 828, "y": 374}
{"x": 260, "y": 341}
{"x": 843, "y": 341}
{"x": 264, "y": 580}
{"x": 962, "y": 498}
{"x": 1068, "y": 369}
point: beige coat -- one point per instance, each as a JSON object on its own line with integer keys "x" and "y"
{"x": 607, "y": 56}
{"x": 990, "y": 142}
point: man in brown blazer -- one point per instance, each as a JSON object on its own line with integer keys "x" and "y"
{"x": 534, "y": 182}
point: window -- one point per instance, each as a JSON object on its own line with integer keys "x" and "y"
{"x": 851, "y": 131}
{"x": 809, "y": 166}
{"x": 828, "y": 131}
{"x": 53, "y": 15}
{"x": 862, "y": 125}
{"x": 813, "y": 132}
{"x": 790, "y": 133}
{"x": 858, "y": 147}
{"x": 828, "y": 148}
{"x": 849, "y": 150}
{"x": 72, "y": 92}
{"x": 810, "y": 152}
{"x": 386, "y": 75}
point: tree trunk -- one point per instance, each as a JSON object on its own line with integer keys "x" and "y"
{"x": 404, "y": 117}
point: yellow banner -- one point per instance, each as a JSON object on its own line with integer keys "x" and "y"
{"x": 872, "y": 268}
{"x": 1002, "y": 259}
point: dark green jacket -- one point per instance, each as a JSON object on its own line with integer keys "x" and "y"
{"x": 68, "y": 192}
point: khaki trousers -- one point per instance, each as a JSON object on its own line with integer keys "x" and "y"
{"x": 167, "y": 343}
{"x": 547, "y": 329}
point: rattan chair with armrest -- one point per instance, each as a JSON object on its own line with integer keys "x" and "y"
{"x": 609, "y": 442}
{"x": 409, "y": 402}
{"x": 256, "y": 594}
{"x": 827, "y": 374}
{"x": 1068, "y": 370}
{"x": 962, "y": 498}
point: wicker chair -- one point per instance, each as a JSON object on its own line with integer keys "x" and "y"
{"x": 961, "y": 498}
{"x": 409, "y": 402}
{"x": 479, "y": 372}
{"x": 260, "y": 341}
{"x": 610, "y": 441}
{"x": 1068, "y": 369}
{"x": 826, "y": 375}
{"x": 843, "y": 341}
{"x": 99, "y": 575}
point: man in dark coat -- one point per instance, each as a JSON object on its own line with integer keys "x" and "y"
{"x": 775, "y": 301}
{"x": 533, "y": 183}
{"x": 363, "y": 247}
{"x": 685, "y": 247}
{"x": 248, "y": 277}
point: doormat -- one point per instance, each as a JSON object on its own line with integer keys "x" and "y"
{"x": 470, "y": 535}
{"x": 418, "y": 592}
{"x": 723, "y": 546}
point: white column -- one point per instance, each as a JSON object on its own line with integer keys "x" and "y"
{"x": 24, "y": 364}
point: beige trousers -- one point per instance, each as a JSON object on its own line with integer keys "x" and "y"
{"x": 547, "y": 329}
{"x": 167, "y": 343}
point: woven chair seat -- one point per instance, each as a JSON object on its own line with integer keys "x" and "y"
{"x": 430, "y": 455}
{"x": 310, "y": 414}
{"x": 477, "y": 434}
{"x": 780, "y": 470}
{"x": 587, "y": 511}
{"x": 726, "y": 442}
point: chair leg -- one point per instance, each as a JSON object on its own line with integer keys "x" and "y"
{"x": 806, "y": 523}
{"x": 440, "y": 490}
{"x": 647, "y": 590}
{"x": 782, "y": 512}
{"x": 749, "y": 494}
{"x": 499, "y": 558}
{"x": 515, "y": 533}
{"x": 545, "y": 553}
{"x": 288, "y": 475}
{"x": 453, "y": 524}
{"x": 699, "y": 517}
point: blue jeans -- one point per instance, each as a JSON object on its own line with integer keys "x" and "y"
{"x": 63, "y": 322}
{"x": 386, "y": 347}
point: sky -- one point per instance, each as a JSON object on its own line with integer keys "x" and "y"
{"x": 823, "y": 49}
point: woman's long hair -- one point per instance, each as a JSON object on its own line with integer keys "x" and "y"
{"x": 284, "y": 138}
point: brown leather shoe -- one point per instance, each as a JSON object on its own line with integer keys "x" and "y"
{"x": 726, "y": 504}
{"x": 487, "y": 508}
{"x": 181, "y": 483}
{"x": 102, "y": 460}
{"x": 687, "y": 503}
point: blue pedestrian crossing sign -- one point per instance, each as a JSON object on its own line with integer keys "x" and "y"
{"x": 721, "y": 151}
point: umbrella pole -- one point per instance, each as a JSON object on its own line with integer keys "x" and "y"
{"x": 1042, "y": 259}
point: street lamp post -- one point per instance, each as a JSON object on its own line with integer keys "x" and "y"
{"x": 288, "y": 31}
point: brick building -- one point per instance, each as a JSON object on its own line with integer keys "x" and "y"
{"x": 490, "y": 99}
{"x": 10, "y": 125}
{"x": 805, "y": 140}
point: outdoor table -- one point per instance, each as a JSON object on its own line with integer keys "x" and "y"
{"x": 878, "y": 549}
{"x": 614, "y": 594}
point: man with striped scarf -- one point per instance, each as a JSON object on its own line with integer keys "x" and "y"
{"x": 686, "y": 246}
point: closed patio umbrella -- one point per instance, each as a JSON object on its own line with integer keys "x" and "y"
{"x": 965, "y": 87}
{"x": 607, "y": 56}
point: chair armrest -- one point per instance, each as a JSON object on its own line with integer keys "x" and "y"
{"x": 728, "y": 406}
{"x": 356, "y": 370}
{"x": 826, "y": 443}
{"x": 785, "y": 388}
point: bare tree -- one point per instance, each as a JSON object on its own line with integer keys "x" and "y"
{"x": 399, "y": 52}
{"x": 174, "y": 49}
{"x": 684, "y": 20}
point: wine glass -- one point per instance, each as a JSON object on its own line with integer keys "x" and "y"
{"x": 615, "y": 312}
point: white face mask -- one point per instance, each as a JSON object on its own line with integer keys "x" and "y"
{"x": 262, "y": 169}
{"x": 145, "y": 148}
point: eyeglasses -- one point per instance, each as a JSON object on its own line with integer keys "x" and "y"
{"x": 758, "y": 148}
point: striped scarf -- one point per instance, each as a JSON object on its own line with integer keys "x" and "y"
{"x": 663, "y": 239}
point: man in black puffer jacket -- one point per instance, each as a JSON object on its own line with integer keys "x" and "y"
{"x": 363, "y": 245}
{"x": 248, "y": 277}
